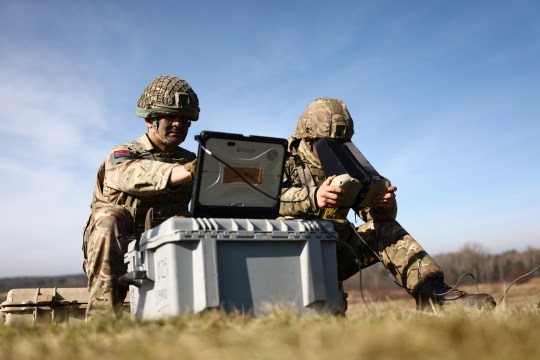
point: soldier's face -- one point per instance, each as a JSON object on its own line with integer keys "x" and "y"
{"x": 312, "y": 147}
{"x": 170, "y": 130}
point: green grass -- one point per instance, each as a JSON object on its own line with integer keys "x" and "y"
{"x": 383, "y": 332}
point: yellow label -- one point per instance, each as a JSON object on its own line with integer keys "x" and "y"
{"x": 335, "y": 214}
{"x": 250, "y": 175}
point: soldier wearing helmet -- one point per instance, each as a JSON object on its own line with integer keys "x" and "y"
{"x": 139, "y": 185}
{"x": 308, "y": 193}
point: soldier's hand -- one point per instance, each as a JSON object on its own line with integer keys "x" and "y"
{"x": 191, "y": 167}
{"x": 181, "y": 174}
{"x": 327, "y": 195}
{"x": 386, "y": 200}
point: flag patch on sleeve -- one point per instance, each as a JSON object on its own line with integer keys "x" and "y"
{"x": 121, "y": 154}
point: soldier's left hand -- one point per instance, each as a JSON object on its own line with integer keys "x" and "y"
{"x": 386, "y": 200}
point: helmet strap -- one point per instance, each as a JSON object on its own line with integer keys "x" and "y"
{"x": 155, "y": 130}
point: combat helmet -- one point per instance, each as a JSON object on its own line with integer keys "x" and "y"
{"x": 168, "y": 96}
{"x": 325, "y": 118}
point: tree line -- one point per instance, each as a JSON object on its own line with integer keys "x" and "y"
{"x": 470, "y": 259}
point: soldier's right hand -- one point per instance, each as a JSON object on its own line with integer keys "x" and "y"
{"x": 180, "y": 175}
{"x": 328, "y": 195}
{"x": 386, "y": 200}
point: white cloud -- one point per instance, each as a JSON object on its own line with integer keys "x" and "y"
{"x": 49, "y": 126}
{"x": 43, "y": 213}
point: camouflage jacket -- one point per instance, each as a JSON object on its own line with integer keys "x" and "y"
{"x": 303, "y": 175}
{"x": 135, "y": 175}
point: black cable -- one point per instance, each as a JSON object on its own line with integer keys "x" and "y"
{"x": 360, "y": 283}
{"x": 453, "y": 288}
{"x": 410, "y": 291}
{"x": 238, "y": 173}
{"x": 305, "y": 184}
{"x": 515, "y": 281}
{"x": 392, "y": 276}
{"x": 356, "y": 259}
{"x": 248, "y": 182}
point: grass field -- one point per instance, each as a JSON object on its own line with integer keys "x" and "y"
{"x": 388, "y": 328}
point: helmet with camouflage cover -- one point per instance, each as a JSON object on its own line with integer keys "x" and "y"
{"x": 168, "y": 96}
{"x": 325, "y": 118}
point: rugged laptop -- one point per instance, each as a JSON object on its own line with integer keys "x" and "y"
{"x": 238, "y": 176}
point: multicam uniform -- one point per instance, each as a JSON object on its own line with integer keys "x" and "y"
{"x": 381, "y": 237}
{"x": 398, "y": 250}
{"x": 131, "y": 195}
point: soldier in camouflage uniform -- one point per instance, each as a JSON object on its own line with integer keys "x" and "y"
{"x": 140, "y": 184}
{"x": 308, "y": 194}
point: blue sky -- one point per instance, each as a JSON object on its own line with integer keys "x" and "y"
{"x": 444, "y": 94}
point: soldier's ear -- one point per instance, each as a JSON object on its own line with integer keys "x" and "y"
{"x": 152, "y": 122}
{"x": 148, "y": 122}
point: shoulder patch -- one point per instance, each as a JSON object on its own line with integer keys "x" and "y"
{"x": 124, "y": 153}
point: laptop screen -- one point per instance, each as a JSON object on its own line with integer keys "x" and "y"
{"x": 344, "y": 158}
{"x": 238, "y": 176}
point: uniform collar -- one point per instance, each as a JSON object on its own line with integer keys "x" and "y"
{"x": 146, "y": 143}
{"x": 308, "y": 156}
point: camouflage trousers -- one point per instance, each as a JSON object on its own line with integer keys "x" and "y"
{"x": 104, "y": 245}
{"x": 386, "y": 241}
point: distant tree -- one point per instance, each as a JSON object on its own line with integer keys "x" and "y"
{"x": 475, "y": 259}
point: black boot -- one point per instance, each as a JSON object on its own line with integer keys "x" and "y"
{"x": 342, "y": 301}
{"x": 435, "y": 292}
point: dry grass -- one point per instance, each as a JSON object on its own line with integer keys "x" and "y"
{"x": 389, "y": 329}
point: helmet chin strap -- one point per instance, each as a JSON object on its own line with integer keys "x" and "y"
{"x": 155, "y": 126}
{"x": 155, "y": 129}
